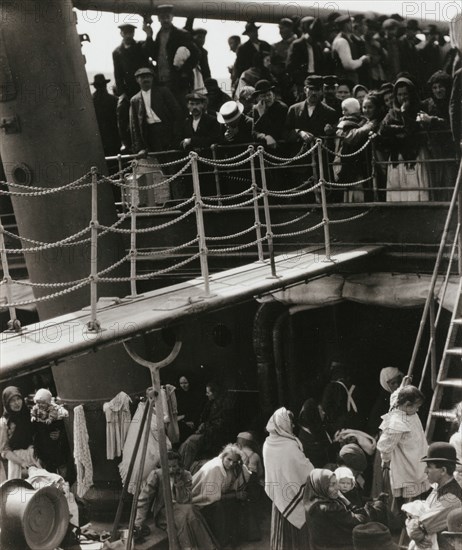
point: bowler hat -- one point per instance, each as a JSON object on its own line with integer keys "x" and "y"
{"x": 329, "y": 80}
{"x": 373, "y": 535}
{"x": 126, "y": 26}
{"x": 250, "y": 26}
{"x": 229, "y": 112}
{"x": 144, "y": 70}
{"x": 100, "y": 79}
{"x": 441, "y": 451}
{"x": 262, "y": 86}
{"x": 196, "y": 95}
{"x": 313, "y": 81}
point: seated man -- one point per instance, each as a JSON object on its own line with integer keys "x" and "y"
{"x": 428, "y": 519}
{"x": 191, "y": 529}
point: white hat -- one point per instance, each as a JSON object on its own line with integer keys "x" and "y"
{"x": 229, "y": 112}
{"x": 43, "y": 395}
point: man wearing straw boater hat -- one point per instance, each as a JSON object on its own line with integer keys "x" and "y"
{"x": 236, "y": 126}
{"x": 446, "y": 496}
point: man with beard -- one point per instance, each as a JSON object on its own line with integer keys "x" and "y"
{"x": 269, "y": 115}
{"x": 200, "y": 130}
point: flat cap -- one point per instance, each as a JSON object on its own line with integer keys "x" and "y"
{"x": 144, "y": 70}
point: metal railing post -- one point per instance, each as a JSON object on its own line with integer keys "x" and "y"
{"x": 375, "y": 186}
{"x": 200, "y": 224}
{"x": 216, "y": 172}
{"x": 122, "y": 177}
{"x": 134, "y": 200}
{"x": 255, "y": 204}
{"x": 13, "y": 323}
{"x": 93, "y": 325}
{"x": 269, "y": 232}
{"x": 325, "y": 215}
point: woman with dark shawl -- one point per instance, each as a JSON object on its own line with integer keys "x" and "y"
{"x": 402, "y": 131}
{"x": 440, "y": 142}
{"x": 329, "y": 515}
{"x": 189, "y": 405}
{"x": 16, "y": 433}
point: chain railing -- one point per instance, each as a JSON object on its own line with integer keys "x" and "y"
{"x": 309, "y": 164}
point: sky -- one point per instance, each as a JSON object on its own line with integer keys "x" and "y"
{"x": 104, "y": 34}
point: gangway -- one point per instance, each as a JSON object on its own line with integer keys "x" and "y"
{"x": 67, "y": 336}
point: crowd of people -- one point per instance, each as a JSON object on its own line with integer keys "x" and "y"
{"x": 344, "y": 79}
{"x": 335, "y": 477}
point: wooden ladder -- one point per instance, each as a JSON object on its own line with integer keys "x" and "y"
{"x": 452, "y": 348}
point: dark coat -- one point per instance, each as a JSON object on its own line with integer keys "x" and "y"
{"x": 298, "y": 119}
{"x": 271, "y": 122}
{"x": 208, "y": 132}
{"x": 183, "y": 77}
{"x": 204, "y": 63}
{"x": 166, "y": 108}
{"x": 126, "y": 62}
{"x": 455, "y": 108}
{"x": 106, "y": 114}
{"x": 331, "y": 524}
{"x": 297, "y": 60}
{"x": 245, "y": 57}
{"x": 244, "y": 134}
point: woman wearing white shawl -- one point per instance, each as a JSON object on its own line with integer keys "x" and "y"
{"x": 286, "y": 471}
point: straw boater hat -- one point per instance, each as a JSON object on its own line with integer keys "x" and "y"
{"x": 229, "y": 112}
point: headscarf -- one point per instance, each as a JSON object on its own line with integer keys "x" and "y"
{"x": 413, "y": 95}
{"x": 23, "y": 432}
{"x": 353, "y": 457}
{"x": 357, "y": 88}
{"x": 386, "y": 374}
{"x": 286, "y": 468}
{"x": 317, "y": 486}
{"x": 281, "y": 424}
{"x": 320, "y": 480}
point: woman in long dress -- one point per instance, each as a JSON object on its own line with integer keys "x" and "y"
{"x": 286, "y": 471}
{"x": 407, "y": 173}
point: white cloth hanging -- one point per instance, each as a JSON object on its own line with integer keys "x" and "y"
{"x": 118, "y": 418}
{"x": 82, "y": 456}
{"x": 152, "y": 452}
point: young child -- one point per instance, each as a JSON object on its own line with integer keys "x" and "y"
{"x": 345, "y": 479}
{"x": 50, "y": 443}
{"x": 402, "y": 444}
